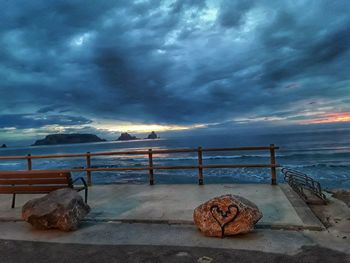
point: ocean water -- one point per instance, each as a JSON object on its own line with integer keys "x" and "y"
{"x": 325, "y": 156}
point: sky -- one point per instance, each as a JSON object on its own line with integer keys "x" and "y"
{"x": 176, "y": 66}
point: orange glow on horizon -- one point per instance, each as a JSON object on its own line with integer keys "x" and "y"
{"x": 330, "y": 117}
{"x": 144, "y": 128}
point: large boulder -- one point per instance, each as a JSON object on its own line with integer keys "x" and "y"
{"x": 226, "y": 215}
{"x": 62, "y": 209}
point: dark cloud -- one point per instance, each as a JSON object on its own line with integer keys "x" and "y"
{"x": 232, "y": 12}
{"x": 52, "y": 108}
{"x": 29, "y": 121}
{"x": 181, "y": 5}
{"x": 297, "y": 49}
{"x": 177, "y": 62}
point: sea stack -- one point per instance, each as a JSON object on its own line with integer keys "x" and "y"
{"x": 152, "y": 135}
{"x": 126, "y": 137}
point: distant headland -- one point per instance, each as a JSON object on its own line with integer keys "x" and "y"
{"x": 53, "y": 139}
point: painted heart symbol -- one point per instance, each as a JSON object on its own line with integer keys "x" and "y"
{"x": 224, "y": 217}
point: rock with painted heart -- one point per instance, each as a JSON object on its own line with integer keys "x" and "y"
{"x": 226, "y": 215}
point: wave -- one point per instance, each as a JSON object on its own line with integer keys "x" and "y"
{"x": 315, "y": 165}
{"x": 9, "y": 164}
{"x": 186, "y": 158}
{"x": 318, "y": 165}
{"x": 301, "y": 156}
{"x": 224, "y": 157}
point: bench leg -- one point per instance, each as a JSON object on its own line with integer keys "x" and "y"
{"x": 86, "y": 194}
{"x": 13, "y": 200}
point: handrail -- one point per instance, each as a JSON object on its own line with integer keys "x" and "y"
{"x": 184, "y": 150}
{"x": 150, "y": 153}
{"x": 298, "y": 181}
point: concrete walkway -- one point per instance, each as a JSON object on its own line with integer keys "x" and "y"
{"x": 281, "y": 208}
{"x": 161, "y": 215}
{"x": 118, "y": 233}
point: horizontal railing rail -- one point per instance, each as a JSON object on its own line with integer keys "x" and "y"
{"x": 151, "y": 167}
{"x": 184, "y": 150}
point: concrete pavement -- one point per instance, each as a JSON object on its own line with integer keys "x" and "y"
{"x": 162, "y": 215}
{"x": 175, "y": 204}
{"x": 119, "y": 233}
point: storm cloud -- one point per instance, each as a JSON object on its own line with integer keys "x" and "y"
{"x": 79, "y": 62}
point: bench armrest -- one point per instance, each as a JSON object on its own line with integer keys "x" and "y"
{"x": 82, "y": 188}
{"x": 81, "y": 179}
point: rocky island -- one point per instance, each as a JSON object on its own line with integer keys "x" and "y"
{"x": 53, "y": 139}
{"x": 3, "y": 146}
{"x": 152, "y": 135}
{"x": 126, "y": 137}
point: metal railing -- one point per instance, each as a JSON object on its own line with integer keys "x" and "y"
{"x": 300, "y": 182}
{"x": 151, "y": 167}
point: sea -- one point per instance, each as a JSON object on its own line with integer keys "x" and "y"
{"x": 324, "y": 156}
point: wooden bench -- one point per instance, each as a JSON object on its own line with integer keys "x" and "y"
{"x": 37, "y": 182}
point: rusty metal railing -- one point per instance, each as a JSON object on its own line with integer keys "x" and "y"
{"x": 150, "y": 153}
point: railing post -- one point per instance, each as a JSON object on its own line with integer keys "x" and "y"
{"x": 150, "y": 167}
{"x": 200, "y": 166}
{"x": 29, "y": 162}
{"x": 88, "y": 166}
{"x": 273, "y": 163}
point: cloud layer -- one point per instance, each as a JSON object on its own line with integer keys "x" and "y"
{"x": 75, "y": 63}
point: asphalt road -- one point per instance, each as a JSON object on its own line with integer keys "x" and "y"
{"x": 27, "y": 252}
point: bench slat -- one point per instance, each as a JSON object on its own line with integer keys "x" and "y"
{"x": 34, "y": 172}
{"x": 29, "y": 189}
{"x": 36, "y": 182}
{"x": 33, "y": 175}
{"x": 26, "y": 181}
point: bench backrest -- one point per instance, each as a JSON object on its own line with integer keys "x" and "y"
{"x": 22, "y": 182}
